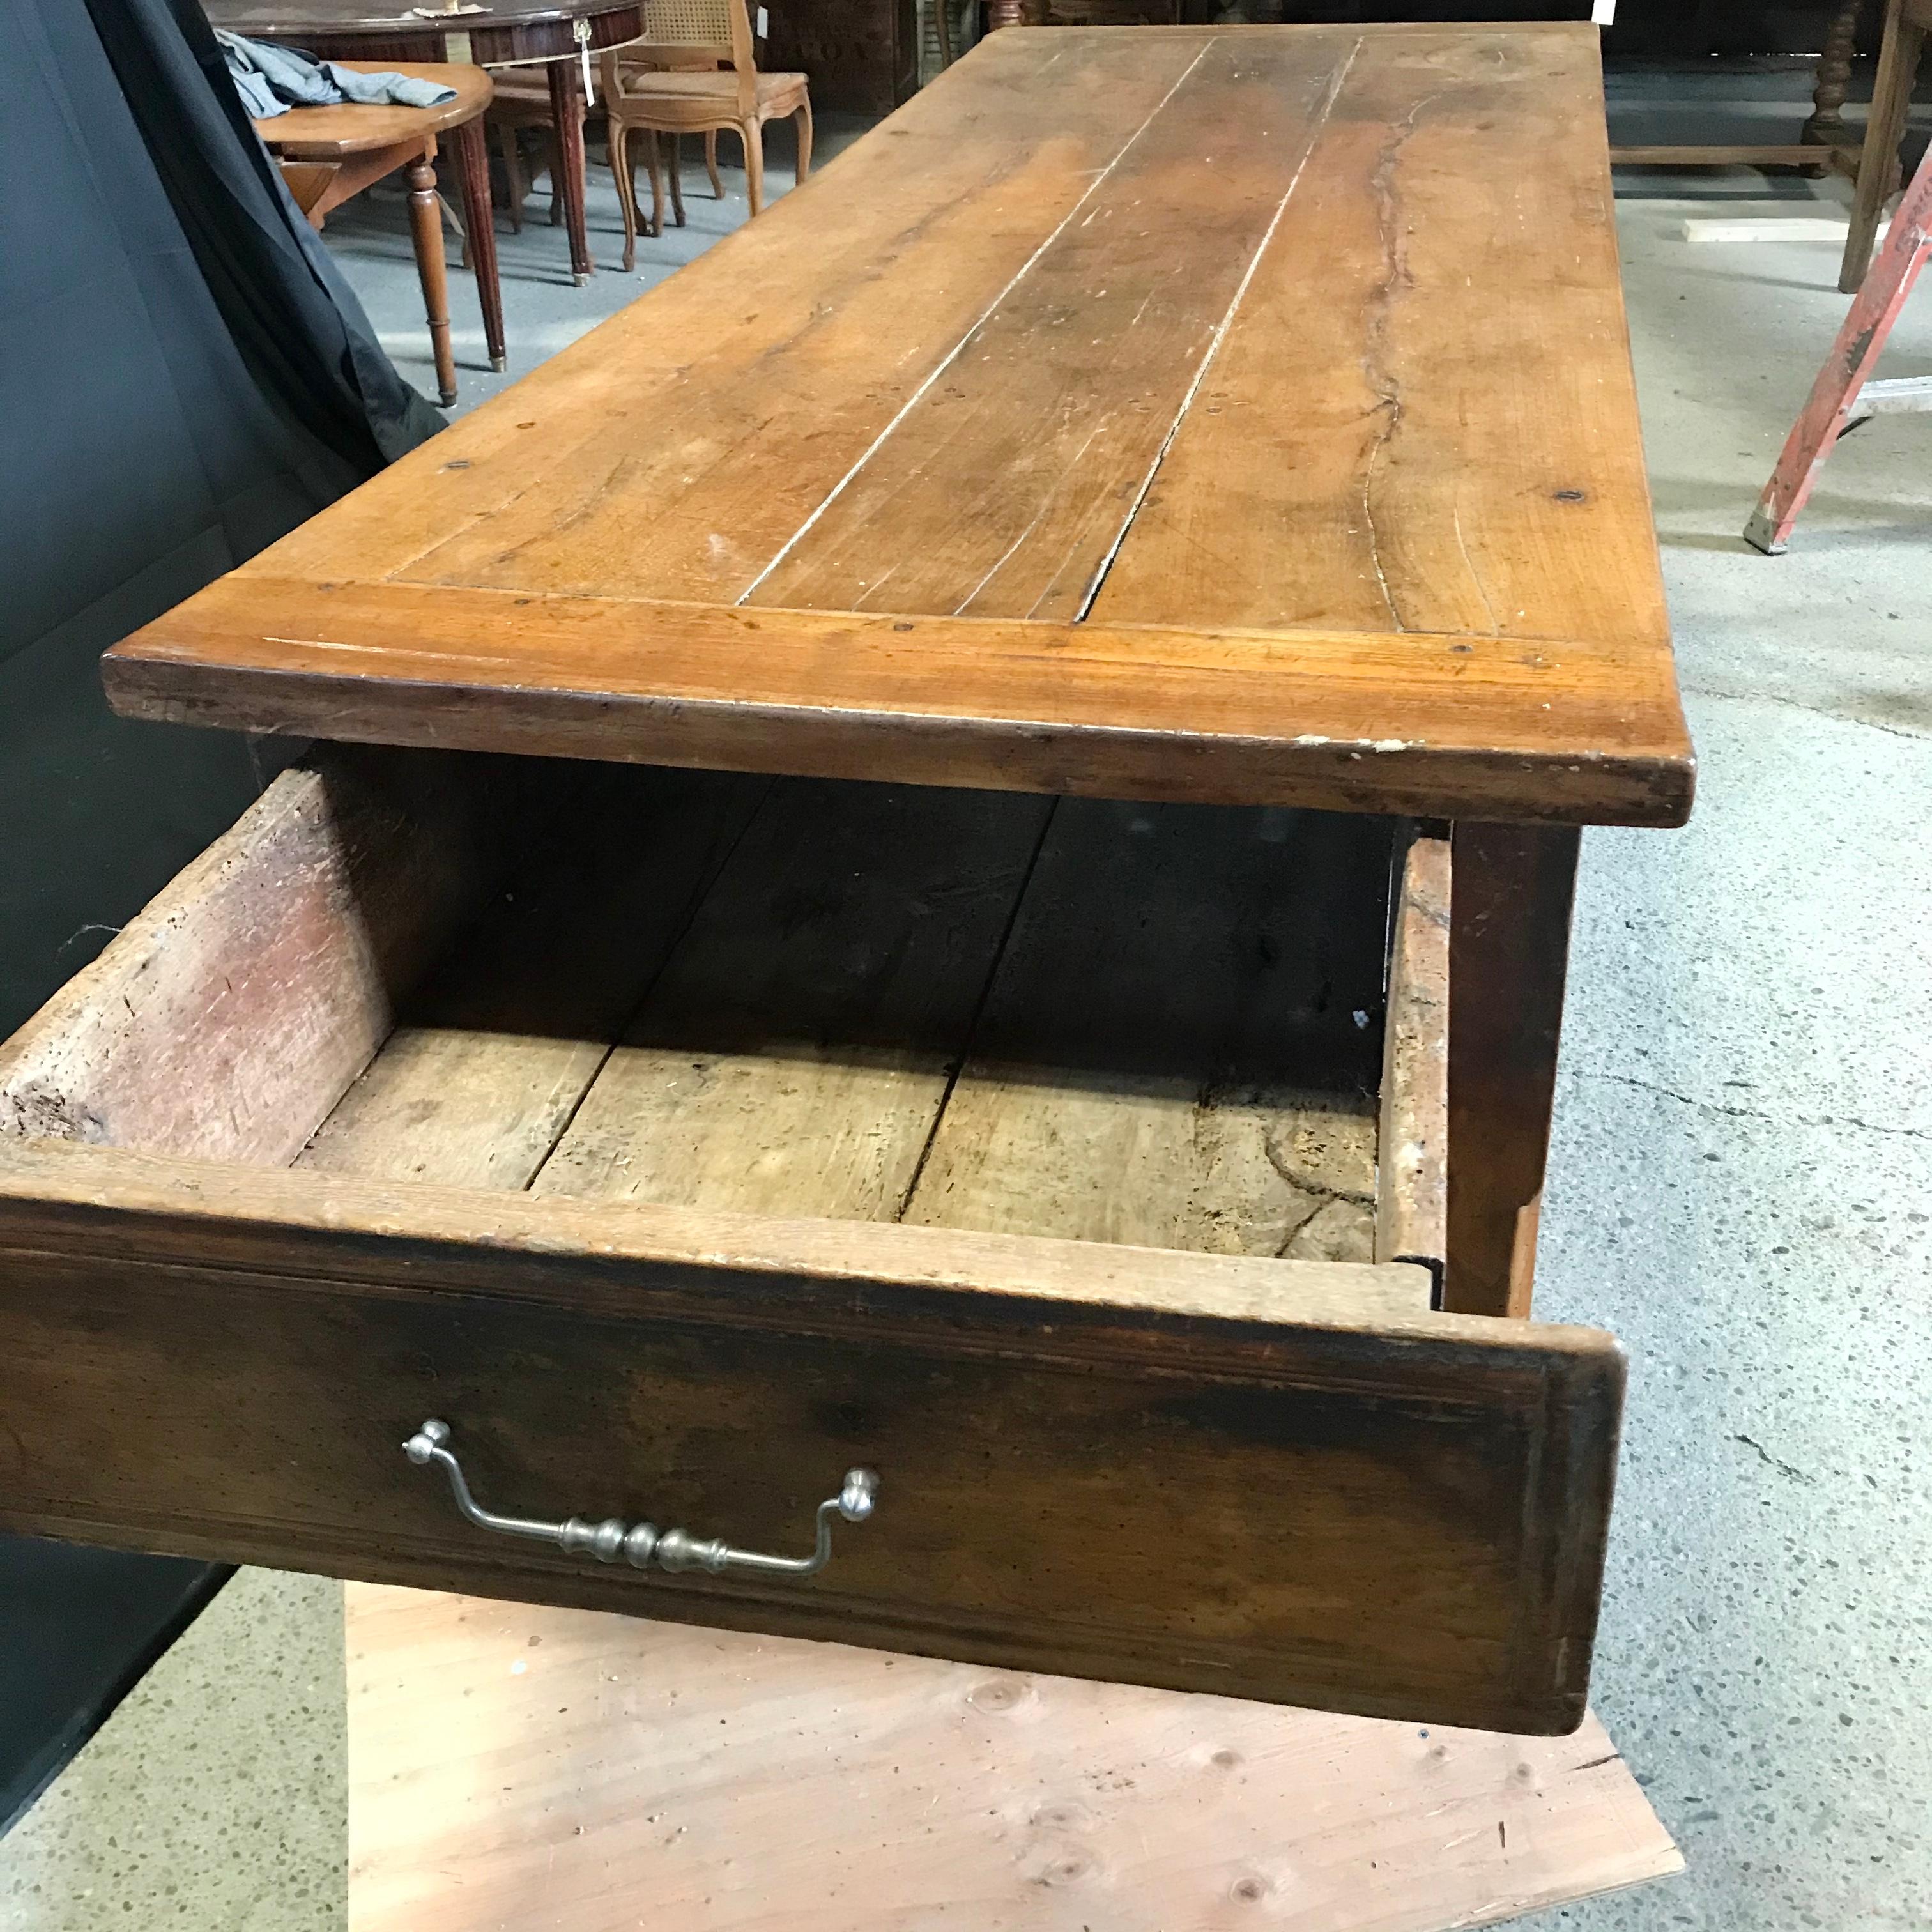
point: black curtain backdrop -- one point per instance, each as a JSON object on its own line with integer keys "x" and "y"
{"x": 183, "y": 378}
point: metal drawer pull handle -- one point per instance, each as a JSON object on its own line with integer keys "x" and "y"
{"x": 643, "y": 1543}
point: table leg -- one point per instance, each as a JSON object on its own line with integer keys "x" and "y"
{"x": 472, "y": 161}
{"x": 567, "y": 106}
{"x": 426, "y": 232}
{"x": 1511, "y": 890}
{"x": 1827, "y": 124}
{"x": 1885, "y": 129}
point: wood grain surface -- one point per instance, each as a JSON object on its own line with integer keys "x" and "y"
{"x": 657, "y": 1028}
{"x": 984, "y": 459}
{"x": 1203, "y": 1471}
{"x": 228, "y": 1016}
{"x": 569, "y": 1765}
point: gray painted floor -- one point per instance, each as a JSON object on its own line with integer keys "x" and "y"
{"x": 1741, "y": 1186}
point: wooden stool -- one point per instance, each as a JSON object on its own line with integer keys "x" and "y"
{"x": 1842, "y": 394}
{"x": 328, "y": 154}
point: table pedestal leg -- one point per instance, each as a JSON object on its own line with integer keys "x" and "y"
{"x": 1827, "y": 124}
{"x": 472, "y": 160}
{"x": 567, "y": 106}
{"x": 426, "y": 232}
{"x": 1510, "y": 892}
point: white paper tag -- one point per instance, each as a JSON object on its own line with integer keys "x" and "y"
{"x": 764, "y": 24}
{"x": 1602, "y": 12}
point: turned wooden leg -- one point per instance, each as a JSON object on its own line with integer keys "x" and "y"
{"x": 426, "y": 233}
{"x": 1885, "y": 128}
{"x": 803, "y": 118}
{"x": 1511, "y": 888}
{"x": 1826, "y": 126}
{"x": 472, "y": 158}
{"x": 753, "y": 135}
{"x": 677, "y": 172}
{"x": 711, "y": 163}
{"x": 566, "y": 102}
{"x": 1006, "y": 14}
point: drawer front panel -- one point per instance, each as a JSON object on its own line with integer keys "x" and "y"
{"x": 1407, "y": 1521}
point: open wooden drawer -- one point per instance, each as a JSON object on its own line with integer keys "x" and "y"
{"x": 680, "y": 1139}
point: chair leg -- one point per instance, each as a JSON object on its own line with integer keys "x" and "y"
{"x": 627, "y": 188}
{"x": 803, "y": 118}
{"x": 676, "y": 172}
{"x": 1885, "y": 128}
{"x": 426, "y": 233}
{"x": 457, "y": 227}
{"x": 655, "y": 162}
{"x": 711, "y": 163}
{"x": 752, "y": 134}
{"x": 516, "y": 183}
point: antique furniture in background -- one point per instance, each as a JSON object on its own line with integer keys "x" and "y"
{"x": 326, "y": 154}
{"x": 694, "y": 71}
{"x": 862, "y": 56}
{"x": 554, "y": 35}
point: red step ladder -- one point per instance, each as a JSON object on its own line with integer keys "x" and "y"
{"x": 1843, "y": 393}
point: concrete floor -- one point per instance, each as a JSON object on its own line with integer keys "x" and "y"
{"x": 1742, "y": 1186}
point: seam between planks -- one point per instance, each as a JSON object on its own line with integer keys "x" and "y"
{"x": 622, "y": 1032}
{"x": 1219, "y": 336}
{"x": 960, "y": 1065}
{"x": 953, "y": 355}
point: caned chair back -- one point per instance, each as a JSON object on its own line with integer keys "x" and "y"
{"x": 720, "y": 28}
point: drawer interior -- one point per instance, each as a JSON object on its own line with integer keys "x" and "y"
{"x": 684, "y": 1139}
{"x": 1162, "y": 1026}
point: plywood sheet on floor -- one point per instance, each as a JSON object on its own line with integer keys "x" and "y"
{"x": 513, "y": 1768}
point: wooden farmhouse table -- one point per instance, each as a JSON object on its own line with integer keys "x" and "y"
{"x": 948, "y": 850}
{"x": 552, "y": 33}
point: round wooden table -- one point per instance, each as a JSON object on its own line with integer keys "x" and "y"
{"x": 328, "y": 154}
{"x": 506, "y": 33}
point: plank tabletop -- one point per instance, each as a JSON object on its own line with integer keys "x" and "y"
{"x": 1234, "y": 414}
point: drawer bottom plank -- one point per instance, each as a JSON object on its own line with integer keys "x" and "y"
{"x": 1179, "y": 1049}
{"x": 795, "y": 1052}
{"x": 492, "y": 1057}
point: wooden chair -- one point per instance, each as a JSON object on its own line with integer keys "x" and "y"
{"x": 326, "y": 154}
{"x": 694, "y": 70}
{"x": 523, "y": 101}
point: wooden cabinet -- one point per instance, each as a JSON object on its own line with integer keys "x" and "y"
{"x": 862, "y": 56}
